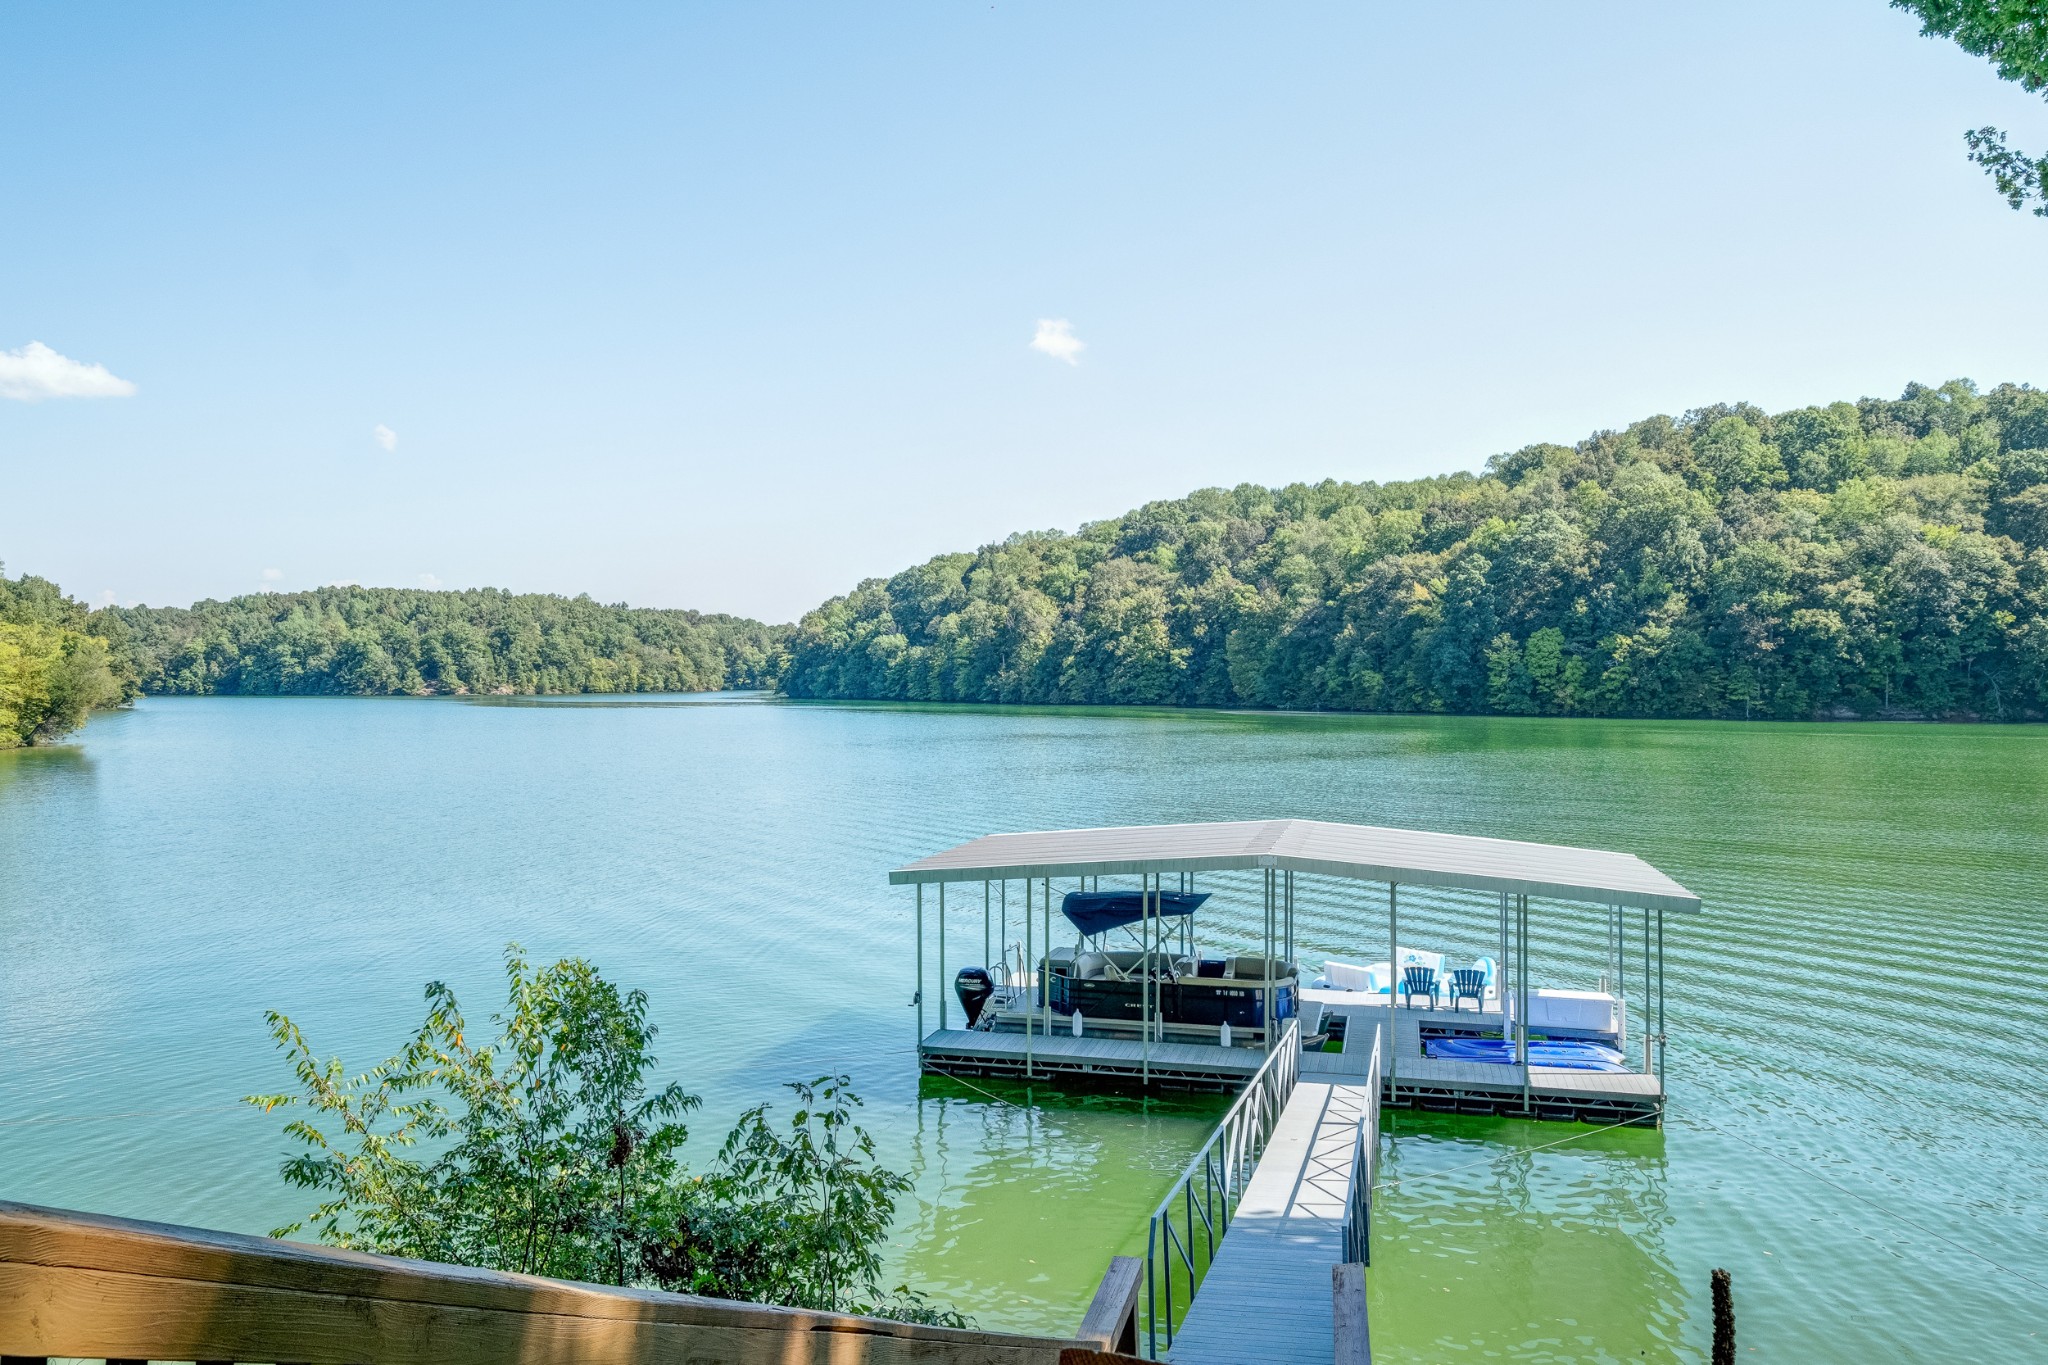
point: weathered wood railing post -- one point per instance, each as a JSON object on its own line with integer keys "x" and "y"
{"x": 1352, "y": 1342}
{"x": 1112, "y": 1319}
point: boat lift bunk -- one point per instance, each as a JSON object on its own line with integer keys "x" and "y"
{"x": 1128, "y": 999}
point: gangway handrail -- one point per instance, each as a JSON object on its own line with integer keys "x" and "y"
{"x": 1224, "y": 1165}
{"x": 1365, "y": 1154}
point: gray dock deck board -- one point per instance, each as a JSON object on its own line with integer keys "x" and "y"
{"x": 1062, "y": 1047}
{"x": 1267, "y": 1296}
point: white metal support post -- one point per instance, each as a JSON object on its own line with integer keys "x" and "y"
{"x": 945, "y": 986}
{"x": 1290, "y": 919}
{"x": 1023, "y": 977}
{"x": 1621, "y": 972}
{"x": 1045, "y": 971}
{"x": 1522, "y": 993}
{"x": 1266, "y": 971}
{"x": 1500, "y": 973}
{"x": 917, "y": 995}
{"x": 1393, "y": 983}
{"x": 1146, "y": 986}
{"x": 1660, "y": 997}
{"x": 1649, "y": 984}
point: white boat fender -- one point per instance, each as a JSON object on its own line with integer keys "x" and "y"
{"x": 1226, "y": 1033}
{"x": 1077, "y": 1023}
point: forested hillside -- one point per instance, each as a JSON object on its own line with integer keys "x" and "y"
{"x": 379, "y": 641}
{"x": 53, "y": 667}
{"x": 1877, "y": 557}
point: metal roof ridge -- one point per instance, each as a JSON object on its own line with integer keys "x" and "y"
{"x": 1272, "y": 833}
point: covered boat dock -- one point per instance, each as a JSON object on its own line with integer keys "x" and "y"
{"x": 1472, "y": 1060}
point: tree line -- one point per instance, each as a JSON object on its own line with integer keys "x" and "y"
{"x": 1882, "y": 557}
{"x": 59, "y": 660}
{"x": 398, "y": 641}
{"x": 1876, "y": 558}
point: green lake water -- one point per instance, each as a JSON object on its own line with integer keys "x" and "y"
{"x": 1859, "y": 1120}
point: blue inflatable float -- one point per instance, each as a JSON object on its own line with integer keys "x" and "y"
{"x": 1569, "y": 1054}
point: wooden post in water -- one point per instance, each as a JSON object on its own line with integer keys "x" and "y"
{"x": 1724, "y": 1318}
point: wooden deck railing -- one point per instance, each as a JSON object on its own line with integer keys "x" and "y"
{"x": 80, "y": 1286}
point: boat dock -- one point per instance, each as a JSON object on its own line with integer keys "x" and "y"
{"x": 1260, "y": 1248}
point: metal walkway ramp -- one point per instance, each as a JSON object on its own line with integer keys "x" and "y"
{"x": 1267, "y": 1295}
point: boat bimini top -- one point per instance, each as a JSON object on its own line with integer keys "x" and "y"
{"x": 1095, "y": 912}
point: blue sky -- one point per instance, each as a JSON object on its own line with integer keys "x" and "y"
{"x": 730, "y": 306}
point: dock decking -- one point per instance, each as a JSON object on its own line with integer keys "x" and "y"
{"x": 1409, "y": 1079}
{"x": 972, "y": 1053}
{"x": 1267, "y": 1294}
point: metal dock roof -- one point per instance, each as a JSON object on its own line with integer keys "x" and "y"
{"x": 1411, "y": 857}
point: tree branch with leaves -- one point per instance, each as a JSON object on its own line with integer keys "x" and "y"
{"x": 2013, "y": 36}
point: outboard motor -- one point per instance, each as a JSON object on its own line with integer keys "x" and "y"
{"x": 974, "y": 987}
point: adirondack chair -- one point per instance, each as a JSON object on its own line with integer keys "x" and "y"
{"x": 1418, "y": 981}
{"x": 1468, "y": 983}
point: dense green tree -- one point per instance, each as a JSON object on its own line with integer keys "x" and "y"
{"x": 391, "y": 641}
{"x": 550, "y": 1150}
{"x": 1879, "y": 557}
{"x": 54, "y": 667}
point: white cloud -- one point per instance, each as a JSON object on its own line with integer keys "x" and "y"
{"x": 1056, "y": 338}
{"x": 272, "y": 575}
{"x": 428, "y": 580}
{"x": 35, "y": 372}
{"x": 384, "y": 436}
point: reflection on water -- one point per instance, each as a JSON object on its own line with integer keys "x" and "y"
{"x": 1849, "y": 1020}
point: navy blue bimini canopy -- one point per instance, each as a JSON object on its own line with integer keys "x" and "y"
{"x": 1094, "y": 911}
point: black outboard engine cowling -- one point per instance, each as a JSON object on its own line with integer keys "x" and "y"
{"x": 974, "y": 986}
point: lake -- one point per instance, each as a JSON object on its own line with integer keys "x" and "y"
{"x": 1856, "y": 1022}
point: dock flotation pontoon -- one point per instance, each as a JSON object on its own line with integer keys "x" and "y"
{"x": 1133, "y": 999}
